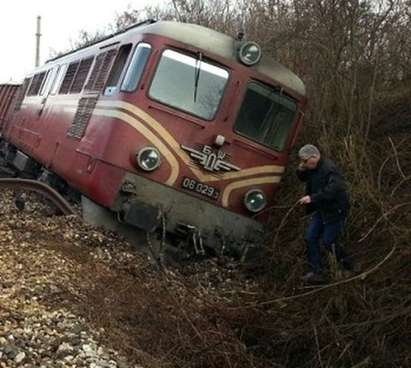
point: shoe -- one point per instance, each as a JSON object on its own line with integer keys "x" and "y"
{"x": 312, "y": 278}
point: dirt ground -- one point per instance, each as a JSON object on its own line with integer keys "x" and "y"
{"x": 75, "y": 296}
{"x": 43, "y": 274}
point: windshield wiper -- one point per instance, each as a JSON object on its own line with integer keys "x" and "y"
{"x": 197, "y": 74}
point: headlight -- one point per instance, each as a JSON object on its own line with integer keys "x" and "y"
{"x": 249, "y": 53}
{"x": 148, "y": 158}
{"x": 255, "y": 200}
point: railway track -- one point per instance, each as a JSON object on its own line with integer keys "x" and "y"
{"x": 44, "y": 190}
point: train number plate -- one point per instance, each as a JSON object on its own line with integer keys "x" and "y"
{"x": 200, "y": 188}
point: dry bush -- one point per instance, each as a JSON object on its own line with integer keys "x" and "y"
{"x": 354, "y": 57}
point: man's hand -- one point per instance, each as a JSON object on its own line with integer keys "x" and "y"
{"x": 302, "y": 167}
{"x": 305, "y": 200}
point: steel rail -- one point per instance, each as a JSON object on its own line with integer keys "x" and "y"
{"x": 41, "y": 188}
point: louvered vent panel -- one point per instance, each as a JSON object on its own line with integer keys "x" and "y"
{"x": 95, "y": 72}
{"x": 105, "y": 69}
{"x": 82, "y": 117}
{"x": 68, "y": 78}
{"x": 81, "y": 75}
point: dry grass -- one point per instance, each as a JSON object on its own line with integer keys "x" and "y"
{"x": 194, "y": 318}
{"x": 350, "y": 55}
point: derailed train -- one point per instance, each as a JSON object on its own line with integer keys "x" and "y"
{"x": 166, "y": 125}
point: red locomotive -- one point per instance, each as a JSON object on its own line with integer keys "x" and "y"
{"x": 167, "y": 125}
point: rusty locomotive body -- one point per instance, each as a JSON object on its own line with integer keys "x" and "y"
{"x": 165, "y": 125}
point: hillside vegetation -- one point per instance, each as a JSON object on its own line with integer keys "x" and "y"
{"x": 355, "y": 59}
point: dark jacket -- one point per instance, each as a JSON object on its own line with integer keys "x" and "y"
{"x": 328, "y": 191}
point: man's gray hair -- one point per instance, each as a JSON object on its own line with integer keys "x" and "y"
{"x": 307, "y": 151}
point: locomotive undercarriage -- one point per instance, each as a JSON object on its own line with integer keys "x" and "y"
{"x": 175, "y": 225}
{"x": 193, "y": 226}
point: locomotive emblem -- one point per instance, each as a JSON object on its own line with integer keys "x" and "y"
{"x": 210, "y": 159}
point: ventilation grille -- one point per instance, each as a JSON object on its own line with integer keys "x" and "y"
{"x": 94, "y": 72}
{"x": 105, "y": 69}
{"x": 81, "y": 75}
{"x": 82, "y": 117}
{"x": 68, "y": 78}
{"x": 101, "y": 70}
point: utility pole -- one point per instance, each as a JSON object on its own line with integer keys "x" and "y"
{"x": 38, "y": 35}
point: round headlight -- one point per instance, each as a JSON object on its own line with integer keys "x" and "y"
{"x": 249, "y": 53}
{"x": 255, "y": 200}
{"x": 148, "y": 158}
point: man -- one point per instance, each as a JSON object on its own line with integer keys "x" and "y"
{"x": 327, "y": 199}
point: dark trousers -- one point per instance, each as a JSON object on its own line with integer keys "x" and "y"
{"x": 328, "y": 233}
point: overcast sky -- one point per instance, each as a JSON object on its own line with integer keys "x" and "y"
{"x": 61, "y": 22}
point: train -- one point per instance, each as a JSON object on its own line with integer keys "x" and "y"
{"x": 165, "y": 127}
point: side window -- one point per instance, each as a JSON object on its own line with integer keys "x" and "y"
{"x": 36, "y": 84}
{"x": 69, "y": 77}
{"x": 57, "y": 79}
{"x": 45, "y": 81}
{"x": 117, "y": 69}
{"x": 22, "y": 93}
{"x": 45, "y": 88}
{"x": 266, "y": 116}
{"x": 136, "y": 67}
{"x": 81, "y": 75}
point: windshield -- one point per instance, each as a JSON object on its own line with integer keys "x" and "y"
{"x": 188, "y": 84}
{"x": 266, "y": 116}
